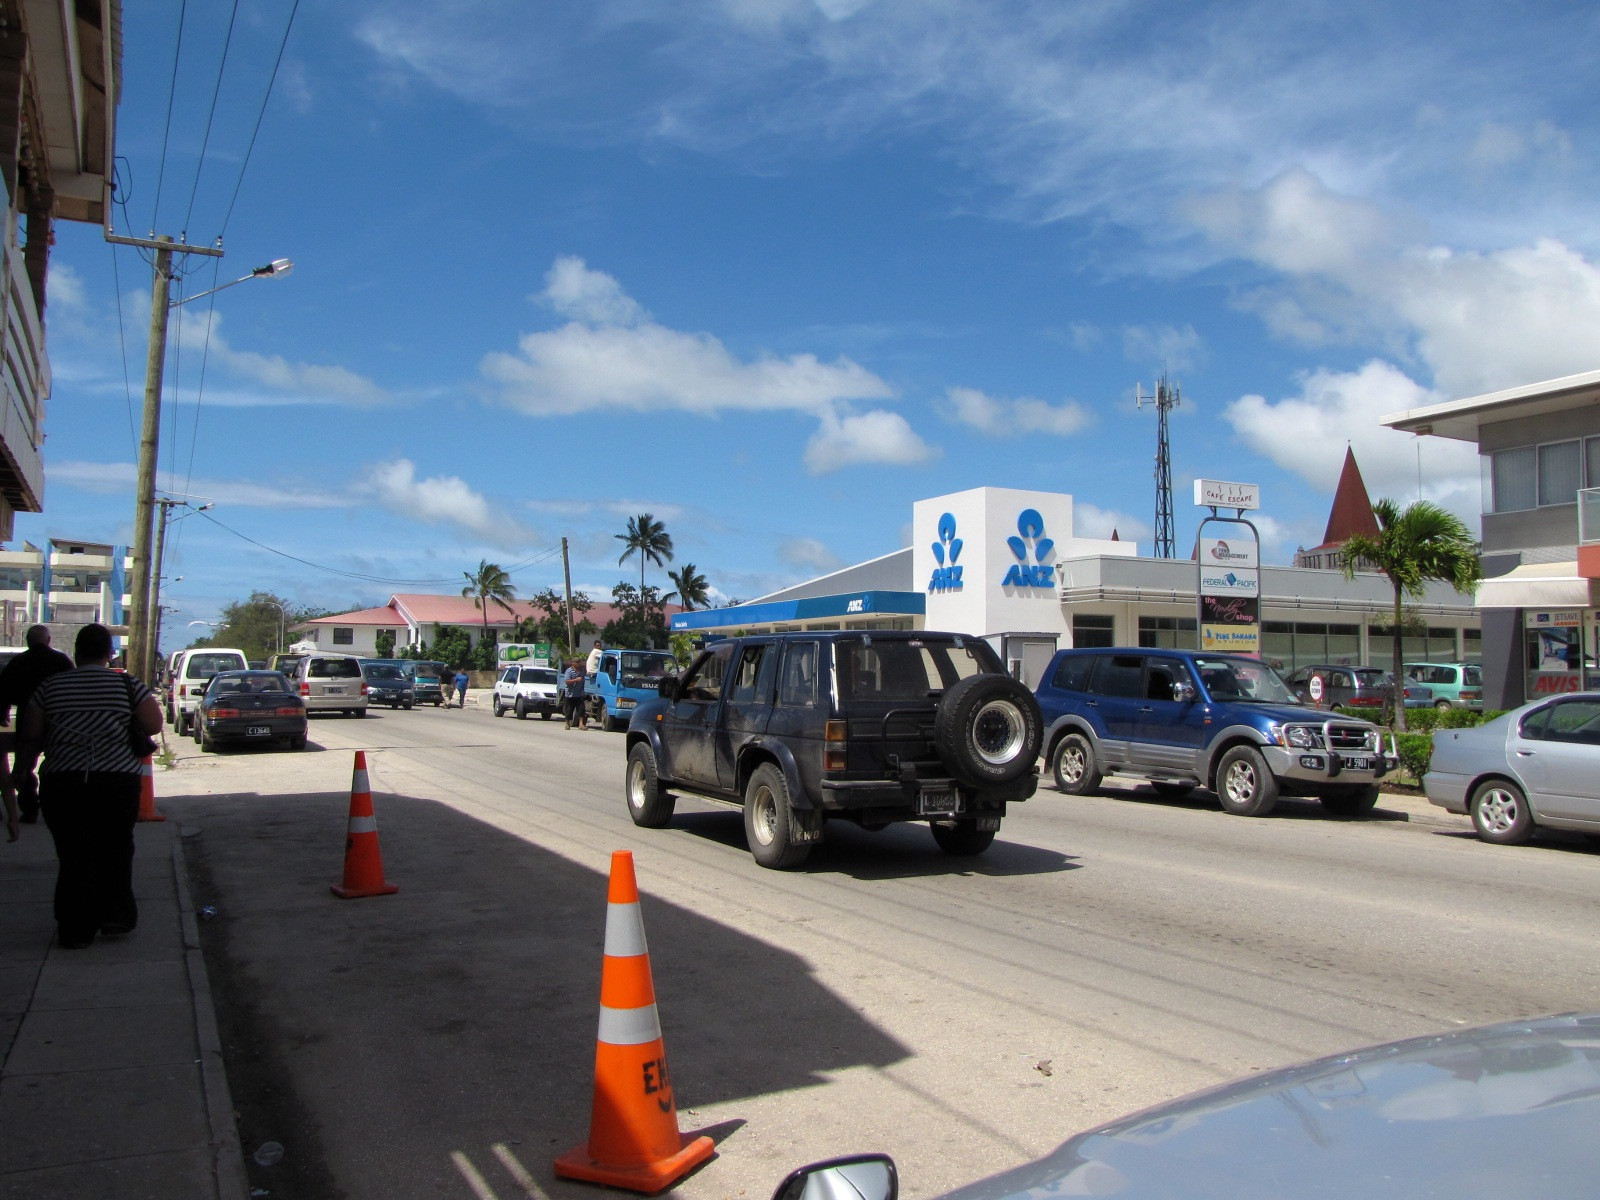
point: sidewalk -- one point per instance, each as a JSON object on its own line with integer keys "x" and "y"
{"x": 112, "y": 1084}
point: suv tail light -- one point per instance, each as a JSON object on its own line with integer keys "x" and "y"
{"x": 833, "y": 736}
{"x": 305, "y": 688}
{"x": 363, "y": 689}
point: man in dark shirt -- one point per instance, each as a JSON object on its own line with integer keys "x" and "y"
{"x": 18, "y": 680}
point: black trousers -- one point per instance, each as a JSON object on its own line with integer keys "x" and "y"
{"x": 91, "y": 819}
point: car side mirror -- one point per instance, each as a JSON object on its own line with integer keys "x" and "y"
{"x": 858, "y": 1177}
{"x": 667, "y": 689}
{"x": 1185, "y": 692}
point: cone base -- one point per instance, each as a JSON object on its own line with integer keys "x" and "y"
{"x": 648, "y": 1178}
{"x": 152, "y": 816}
{"x": 350, "y": 893}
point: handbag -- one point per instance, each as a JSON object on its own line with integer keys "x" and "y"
{"x": 140, "y": 743}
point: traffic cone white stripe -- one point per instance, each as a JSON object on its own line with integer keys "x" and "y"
{"x": 358, "y": 782}
{"x": 629, "y": 1026}
{"x": 363, "y": 824}
{"x": 625, "y": 930}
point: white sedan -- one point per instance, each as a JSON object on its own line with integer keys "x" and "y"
{"x": 1536, "y": 765}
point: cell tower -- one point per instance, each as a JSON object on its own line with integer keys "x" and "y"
{"x": 1165, "y": 399}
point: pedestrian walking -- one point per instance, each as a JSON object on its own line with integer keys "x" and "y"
{"x": 573, "y": 689}
{"x": 461, "y": 688}
{"x": 18, "y": 680}
{"x": 84, "y": 722}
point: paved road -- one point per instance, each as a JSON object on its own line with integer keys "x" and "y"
{"x": 963, "y": 1015}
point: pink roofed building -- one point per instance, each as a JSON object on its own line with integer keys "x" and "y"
{"x": 415, "y": 617}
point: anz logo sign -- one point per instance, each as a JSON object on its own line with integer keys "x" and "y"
{"x": 947, "y": 575}
{"x": 1038, "y": 573}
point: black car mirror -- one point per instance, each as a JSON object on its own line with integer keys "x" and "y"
{"x": 667, "y": 689}
{"x": 1185, "y": 692}
{"x": 858, "y": 1177}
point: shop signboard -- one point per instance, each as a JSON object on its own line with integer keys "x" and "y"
{"x": 1214, "y": 493}
{"x": 1228, "y": 583}
{"x": 532, "y": 654}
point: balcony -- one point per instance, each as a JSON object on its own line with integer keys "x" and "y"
{"x": 24, "y": 385}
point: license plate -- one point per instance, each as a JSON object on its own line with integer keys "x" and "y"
{"x": 932, "y": 801}
{"x": 1355, "y": 762}
{"x": 333, "y": 691}
{"x": 258, "y": 731}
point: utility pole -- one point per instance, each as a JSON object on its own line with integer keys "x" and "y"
{"x": 139, "y": 611}
{"x": 566, "y": 574}
{"x": 1165, "y": 399}
{"x": 166, "y": 505}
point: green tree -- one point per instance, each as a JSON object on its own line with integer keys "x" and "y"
{"x": 551, "y": 624}
{"x": 690, "y": 588}
{"x": 1415, "y": 545}
{"x": 489, "y": 584}
{"x": 254, "y": 625}
{"x": 383, "y": 643}
{"x": 642, "y": 625}
{"x": 649, "y": 539}
{"x": 453, "y": 647}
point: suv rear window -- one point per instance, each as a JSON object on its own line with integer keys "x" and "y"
{"x": 204, "y": 666}
{"x": 538, "y": 675}
{"x": 334, "y": 668}
{"x": 902, "y": 670}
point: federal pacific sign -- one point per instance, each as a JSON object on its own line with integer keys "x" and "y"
{"x": 1030, "y": 542}
{"x": 947, "y": 575}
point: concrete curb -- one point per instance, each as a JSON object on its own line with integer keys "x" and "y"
{"x": 227, "y": 1154}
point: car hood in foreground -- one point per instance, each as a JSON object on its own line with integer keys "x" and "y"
{"x": 1506, "y": 1110}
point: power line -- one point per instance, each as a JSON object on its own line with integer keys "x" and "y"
{"x": 205, "y": 141}
{"x": 166, "y": 133}
{"x": 271, "y": 81}
{"x": 335, "y": 570}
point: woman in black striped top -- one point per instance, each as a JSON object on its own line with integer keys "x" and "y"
{"x": 89, "y": 784}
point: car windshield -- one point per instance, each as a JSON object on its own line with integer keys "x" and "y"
{"x": 204, "y": 666}
{"x": 246, "y": 682}
{"x": 538, "y": 675}
{"x": 1243, "y": 679}
{"x": 334, "y": 668}
{"x": 1472, "y": 676}
{"x": 388, "y": 674}
{"x": 651, "y": 666}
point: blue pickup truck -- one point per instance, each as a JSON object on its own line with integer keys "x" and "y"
{"x": 1182, "y": 719}
{"x": 623, "y": 679}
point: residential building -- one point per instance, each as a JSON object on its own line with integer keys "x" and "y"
{"x": 66, "y": 586}
{"x": 1539, "y": 446}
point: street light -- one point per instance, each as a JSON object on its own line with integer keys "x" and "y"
{"x": 283, "y": 617}
{"x": 139, "y": 622}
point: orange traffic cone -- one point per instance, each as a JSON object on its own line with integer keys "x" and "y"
{"x": 363, "y": 865}
{"x": 634, "y": 1141}
{"x": 147, "y": 791}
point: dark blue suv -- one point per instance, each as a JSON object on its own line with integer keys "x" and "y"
{"x": 1183, "y": 719}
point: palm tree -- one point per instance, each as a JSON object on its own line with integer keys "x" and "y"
{"x": 1422, "y": 543}
{"x": 690, "y": 587}
{"x": 648, "y": 538}
{"x": 489, "y": 583}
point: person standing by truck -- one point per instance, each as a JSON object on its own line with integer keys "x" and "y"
{"x": 595, "y": 655}
{"x": 572, "y": 689}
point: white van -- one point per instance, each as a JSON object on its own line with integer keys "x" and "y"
{"x": 192, "y": 671}
{"x": 331, "y": 683}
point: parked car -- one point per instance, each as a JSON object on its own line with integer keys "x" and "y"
{"x": 1473, "y": 1114}
{"x": 250, "y": 706}
{"x": 525, "y": 690}
{"x": 1184, "y": 719}
{"x": 388, "y": 685}
{"x": 872, "y": 727}
{"x": 331, "y": 683}
{"x": 1454, "y": 685}
{"x": 623, "y": 679}
{"x": 194, "y": 671}
{"x": 1355, "y": 687}
{"x": 1535, "y": 765}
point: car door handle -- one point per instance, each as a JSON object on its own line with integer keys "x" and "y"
{"x": 1525, "y": 753}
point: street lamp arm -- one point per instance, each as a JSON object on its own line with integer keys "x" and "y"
{"x": 278, "y": 266}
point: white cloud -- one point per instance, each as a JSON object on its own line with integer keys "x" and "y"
{"x": 808, "y": 554}
{"x": 441, "y": 500}
{"x": 1170, "y": 347}
{"x": 574, "y": 291}
{"x": 1092, "y": 521}
{"x": 285, "y": 382}
{"x": 870, "y": 437}
{"x": 1307, "y": 434}
{"x": 120, "y": 478}
{"x": 1012, "y": 418}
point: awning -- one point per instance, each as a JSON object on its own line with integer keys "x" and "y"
{"x": 1538, "y": 585}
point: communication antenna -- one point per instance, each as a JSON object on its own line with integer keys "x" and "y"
{"x": 1165, "y": 399}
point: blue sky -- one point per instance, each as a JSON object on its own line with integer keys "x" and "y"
{"x": 773, "y": 270}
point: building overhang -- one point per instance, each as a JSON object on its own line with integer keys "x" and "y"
{"x": 1540, "y": 586}
{"x": 812, "y": 608}
{"x": 1462, "y": 419}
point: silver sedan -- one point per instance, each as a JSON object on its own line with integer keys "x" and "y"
{"x": 1536, "y": 765}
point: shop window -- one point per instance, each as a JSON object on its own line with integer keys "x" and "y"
{"x": 1094, "y": 630}
{"x": 1169, "y": 633}
{"x": 1515, "y": 479}
{"x": 1560, "y": 473}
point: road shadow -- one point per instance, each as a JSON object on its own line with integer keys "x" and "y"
{"x": 375, "y": 1037}
{"x": 1569, "y": 840}
{"x": 904, "y": 850}
{"x": 1294, "y": 808}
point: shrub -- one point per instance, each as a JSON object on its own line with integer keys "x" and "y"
{"x": 1416, "y": 751}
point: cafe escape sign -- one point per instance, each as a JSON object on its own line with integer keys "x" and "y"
{"x": 1228, "y": 591}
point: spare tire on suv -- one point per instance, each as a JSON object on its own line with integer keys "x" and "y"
{"x": 988, "y": 729}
